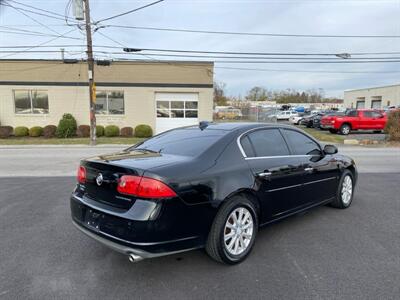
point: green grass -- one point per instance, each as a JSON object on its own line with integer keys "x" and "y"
{"x": 324, "y": 135}
{"x": 68, "y": 141}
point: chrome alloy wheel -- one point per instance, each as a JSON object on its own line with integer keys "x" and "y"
{"x": 238, "y": 231}
{"x": 347, "y": 190}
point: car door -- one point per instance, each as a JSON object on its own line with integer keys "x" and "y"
{"x": 367, "y": 120}
{"x": 320, "y": 171}
{"x": 277, "y": 173}
{"x": 379, "y": 120}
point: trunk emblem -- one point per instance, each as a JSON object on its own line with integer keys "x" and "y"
{"x": 99, "y": 179}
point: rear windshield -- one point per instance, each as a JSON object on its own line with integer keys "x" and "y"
{"x": 186, "y": 142}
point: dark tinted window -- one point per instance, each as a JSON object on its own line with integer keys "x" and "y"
{"x": 368, "y": 114}
{"x": 268, "y": 142}
{"x": 352, "y": 113}
{"x": 247, "y": 147}
{"x": 301, "y": 144}
{"x": 376, "y": 114}
{"x": 186, "y": 142}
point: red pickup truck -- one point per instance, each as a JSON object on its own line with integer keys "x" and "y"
{"x": 365, "y": 119}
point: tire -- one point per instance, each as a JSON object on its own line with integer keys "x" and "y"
{"x": 333, "y": 130}
{"x": 345, "y": 129}
{"x": 216, "y": 246}
{"x": 340, "y": 200}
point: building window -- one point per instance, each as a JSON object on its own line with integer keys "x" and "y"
{"x": 110, "y": 103}
{"x": 31, "y": 102}
{"x": 360, "y": 104}
{"x": 376, "y": 102}
{"x": 177, "y": 109}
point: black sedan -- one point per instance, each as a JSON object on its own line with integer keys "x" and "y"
{"x": 208, "y": 186}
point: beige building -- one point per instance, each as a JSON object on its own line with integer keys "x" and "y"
{"x": 162, "y": 95}
{"x": 374, "y": 97}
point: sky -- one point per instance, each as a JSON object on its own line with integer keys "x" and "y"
{"x": 324, "y": 17}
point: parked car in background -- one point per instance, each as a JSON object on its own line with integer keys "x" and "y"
{"x": 317, "y": 118}
{"x": 361, "y": 119}
{"x": 229, "y": 114}
{"x": 210, "y": 186}
{"x": 295, "y": 120}
{"x": 308, "y": 120}
{"x": 285, "y": 115}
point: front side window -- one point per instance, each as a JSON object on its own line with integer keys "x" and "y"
{"x": 266, "y": 142}
{"x": 31, "y": 102}
{"x": 301, "y": 144}
{"x": 110, "y": 103}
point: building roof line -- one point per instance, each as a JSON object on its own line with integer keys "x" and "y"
{"x": 374, "y": 87}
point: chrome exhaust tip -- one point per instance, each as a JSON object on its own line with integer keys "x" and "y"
{"x": 134, "y": 258}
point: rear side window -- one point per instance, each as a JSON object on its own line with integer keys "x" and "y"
{"x": 301, "y": 144}
{"x": 367, "y": 114}
{"x": 266, "y": 142}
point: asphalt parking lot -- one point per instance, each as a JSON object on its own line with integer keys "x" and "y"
{"x": 323, "y": 254}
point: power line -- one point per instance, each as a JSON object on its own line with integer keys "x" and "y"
{"x": 38, "y": 45}
{"x": 31, "y": 33}
{"x": 250, "y": 57}
{"x": 129, "y": 11}
{"x": 308, "y": 71}
{"x": 259, "y": 53}
{"x": 28, "y": 16}
{"x": 30, "y": 11}
{"x": 251, "y": 33}
{"x": 37, "y": 8}
{"x": 205, "y": 52}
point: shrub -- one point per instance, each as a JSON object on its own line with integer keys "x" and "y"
{"x": 66, "y": 126}
{"x": 49, "y": 131}
{"x": 5, "y": 131}
{"x": 127, "y": 131}
{"x": 143, "y": 131}
{"x": 35, "y": 131}
{"x": 21, "y": 131}
{"x": 99, "y": 130}
{"x": 392, "y": 127}
{"x": 111, "y": 130}
{"x": 83, "y": 131}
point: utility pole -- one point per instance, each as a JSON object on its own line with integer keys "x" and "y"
{"x": 92, "y": 87}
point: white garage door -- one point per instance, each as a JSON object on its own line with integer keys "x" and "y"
{"x": 176, "y": 110}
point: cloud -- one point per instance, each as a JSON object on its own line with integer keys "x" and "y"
{"x": 312, "y": 17}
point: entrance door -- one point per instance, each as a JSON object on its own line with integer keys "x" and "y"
{"x": 176, "y": 110}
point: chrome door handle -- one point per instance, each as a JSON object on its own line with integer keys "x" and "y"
{"x": 264, "y": 174}
{"x": 308, "y": 169}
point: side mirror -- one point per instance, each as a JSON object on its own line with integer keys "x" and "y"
{"x": 330, "y": 149}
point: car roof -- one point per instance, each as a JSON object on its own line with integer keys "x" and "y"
{"x": 241, "y": 126}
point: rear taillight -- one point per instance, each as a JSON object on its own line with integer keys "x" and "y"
{"x": 144, "y": 187}
{"x": 81, "y": 176}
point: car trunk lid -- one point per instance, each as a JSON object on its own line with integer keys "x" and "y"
{"x": 103, "y": 173}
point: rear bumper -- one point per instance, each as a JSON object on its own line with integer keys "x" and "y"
{"x": 123, "y": 249}
{"x": 125, "y": 234}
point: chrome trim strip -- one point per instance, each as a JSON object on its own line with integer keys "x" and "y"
{"x": 320, "y": 180}
{"x": 285, "y": 188}
{"x": 297, "y": 185}
{"x": 278, "y": 156}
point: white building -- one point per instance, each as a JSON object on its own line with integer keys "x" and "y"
{"x": 373, "y": 97}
